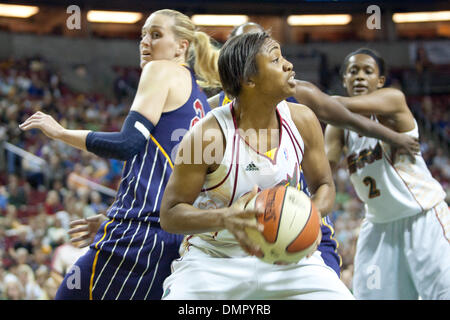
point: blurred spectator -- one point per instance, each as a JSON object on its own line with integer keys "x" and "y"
{"x": 52, "y": 203}
{"x": 3, "y": 198}
{"x": 97, "y": 205}
{"x": 16, "y": 193}
{"x": 64, "y": 257}
{"x": 13, "y": 289}
{"x": 423, "y": 66}
{"x": 28, "y": 282}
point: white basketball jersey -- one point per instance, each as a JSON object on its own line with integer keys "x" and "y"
{"x": 242, "y": 168}
{"x": 390, "y": 191}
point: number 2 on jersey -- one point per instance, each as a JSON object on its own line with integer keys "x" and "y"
{"x": 373, "y": 191}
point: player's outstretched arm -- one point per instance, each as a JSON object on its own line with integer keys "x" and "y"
{"x": 315, "y": 164}
{"x": 333, "y": 111}
{"x": 144, "y": 115}
{"x": 385, "y": 101}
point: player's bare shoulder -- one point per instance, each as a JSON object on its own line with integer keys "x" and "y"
{"x": 302, "y": 115}
{"x": 306, "y": 122}
{"x": 164, "y": 70}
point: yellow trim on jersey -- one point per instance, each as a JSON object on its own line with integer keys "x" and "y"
{"x": 95, "y": 260}
{"x": 226, "y": 100}
{"x": 162, "y": 150}
{"x": 271, "y": 153}
{"x": 331, "y": 237}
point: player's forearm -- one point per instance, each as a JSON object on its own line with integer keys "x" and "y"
{"x": 369, "y": 128}
{"x": 184, "y": 218}
{"x": 324, "y": 198}
{"x": 74, "y": 138}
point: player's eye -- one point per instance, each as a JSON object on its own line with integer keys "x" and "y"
{"x": 276, "y": 60}
{"x": 156, "y": 35}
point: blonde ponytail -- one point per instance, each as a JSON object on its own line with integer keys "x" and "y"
{"x": 201, "y": 50}
{"x": 206, "y": 57}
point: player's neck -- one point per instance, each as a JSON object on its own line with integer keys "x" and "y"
{"x": 250, "y": 114}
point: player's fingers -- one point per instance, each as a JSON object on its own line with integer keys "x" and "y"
{"x": 412, "y": 156}
{"x": 93, "y": 218}
{"x": 245, "y": 242}
{"x": 84, "y": 244}
{"x": 78, "y": 222}
{"x": 78, "y": 229}
{"x": 29, "y": 124}
{"x": 245, "y": 199}
{"x": 80, "y": 238}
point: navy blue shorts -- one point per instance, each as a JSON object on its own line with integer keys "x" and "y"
{"x": 127, "y": 260}
{"x": 328, "y": 247}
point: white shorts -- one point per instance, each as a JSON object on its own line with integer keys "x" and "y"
{"x": 199, "y": 276}
{"x": 404, "y": 259}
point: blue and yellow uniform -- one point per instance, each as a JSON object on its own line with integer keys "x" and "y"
{"x": 328, "y": 246}
{"x": 131, "y": 255}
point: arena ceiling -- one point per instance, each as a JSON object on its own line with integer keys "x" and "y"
{"x": 52, "y": 15}
{"x": 273, "y": 7}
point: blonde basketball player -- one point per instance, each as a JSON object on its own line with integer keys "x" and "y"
{"x": 403, "y": 249}
{"x": 204, "y": 199}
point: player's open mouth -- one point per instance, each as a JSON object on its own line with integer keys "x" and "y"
{"x": 291, "y": 80}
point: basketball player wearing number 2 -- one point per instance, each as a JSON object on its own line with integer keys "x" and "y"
{"x": 403, "y": 248}
{"x": 258, "y": 140}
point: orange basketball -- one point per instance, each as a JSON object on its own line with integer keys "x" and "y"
{"x": 291, "y": 224}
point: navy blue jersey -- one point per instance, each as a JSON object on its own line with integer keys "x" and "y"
{"x": 328, "y": 246}
{"x": 131, "y": 255}
{"x": 292, "y": 99}
{"x": 145, "y": 175}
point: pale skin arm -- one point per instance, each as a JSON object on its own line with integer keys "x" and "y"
{"x": 333, "y": 110}
{"x": 315, "y": 164}
{"x": 149, "y": 101}
{"x": 177, "y": 213}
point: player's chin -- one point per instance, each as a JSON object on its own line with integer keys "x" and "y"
{"x": 290, "y": 90}
{"x": 144, "y": 63}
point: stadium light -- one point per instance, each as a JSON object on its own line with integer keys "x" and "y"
{"x": 218, "y": 19}
{"x": 113, "y": 16}
{"x": 17, "y": 11}
{"x": 421, "y": 16}
{"x": 319, "y": 19}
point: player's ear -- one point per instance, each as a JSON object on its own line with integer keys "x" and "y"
{"x": 249, "y": 83}
{"x": 182, "y": 47}
{"x": 381, "y": 82}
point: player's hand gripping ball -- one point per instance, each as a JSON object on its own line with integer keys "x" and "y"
{"x": 291, "y": 225}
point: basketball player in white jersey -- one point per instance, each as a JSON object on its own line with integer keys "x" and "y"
{"x": 403, "y": 249}
{"x": 205, "y": 196}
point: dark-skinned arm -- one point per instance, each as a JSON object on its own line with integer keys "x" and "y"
{"x": 315, "y": 164}
{"x": 333, "y": 111}
{"x": 178, "y": 215}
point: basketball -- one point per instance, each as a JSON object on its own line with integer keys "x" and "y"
{"x": 291, "y": 225}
